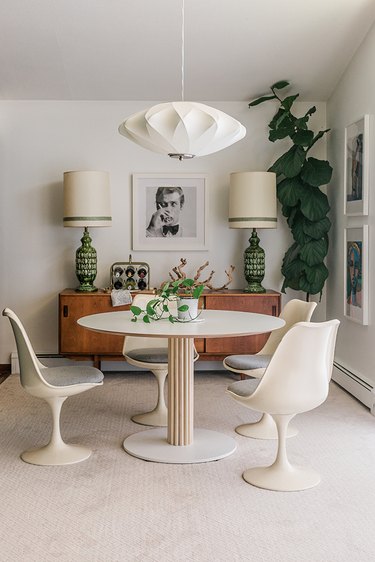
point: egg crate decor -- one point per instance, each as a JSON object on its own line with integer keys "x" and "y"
{"x": 133, "y": 276}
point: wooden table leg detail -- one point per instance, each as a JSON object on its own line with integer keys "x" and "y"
{"x": 180, "y": 391}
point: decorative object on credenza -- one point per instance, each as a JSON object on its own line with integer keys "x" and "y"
{"x": 182, "y": 129}
{"x": 176, "y": 301}
{"x": 304, "y": 205}
{"x": 357, "y": 166}
{"x": 252, "y": 204}
{"x": 134, "y": 276}
{"x": 177, "y": 274}
{"x": 86, "y": 204}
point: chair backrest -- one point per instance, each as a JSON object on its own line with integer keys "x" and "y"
{"x": 294, "y": 311}
{"x": 30, "y": 366}
{"x": 135, "y": 342}
{"x": 297, "y": 377}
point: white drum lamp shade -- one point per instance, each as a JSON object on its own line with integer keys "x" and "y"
{"x": 253, "y": 204}
{"x": 87, "y": 199}
{"x": 182, "y": 129}
{"x": 87, "y": 202}
{"x": 252, "y": 200}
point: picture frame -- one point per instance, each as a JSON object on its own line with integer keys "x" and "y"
{"x": 169, "y": 212}
{"x": 357, "y": 167}
{"x": 356, "y": 274}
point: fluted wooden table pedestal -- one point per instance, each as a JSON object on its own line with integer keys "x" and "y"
{"x": 181, "y": 442}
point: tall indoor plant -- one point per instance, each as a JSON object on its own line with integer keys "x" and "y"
{"x": 304, "y": 205}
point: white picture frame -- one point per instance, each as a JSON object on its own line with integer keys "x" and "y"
{"x": 150, "y": 219}
{"x": 356, "y": 274}
{"x": 357, "y": 167}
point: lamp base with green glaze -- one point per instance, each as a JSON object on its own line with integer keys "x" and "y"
{"x": 254, "y": 265}
{"x": 86, "y": 264}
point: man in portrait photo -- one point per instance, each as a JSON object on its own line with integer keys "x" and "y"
{"x": 166, "y": 219}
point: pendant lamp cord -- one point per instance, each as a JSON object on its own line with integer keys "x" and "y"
{"x": 183, "y": 52}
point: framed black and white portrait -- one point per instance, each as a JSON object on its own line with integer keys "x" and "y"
{"x": 356, "y": 274}
{"x": 357, "y": 167}
{"x": 169, "y": 212}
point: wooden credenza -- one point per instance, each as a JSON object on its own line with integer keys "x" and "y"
{"x": 78, "y": 343}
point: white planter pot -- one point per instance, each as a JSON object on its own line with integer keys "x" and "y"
{"x": 192, "y": 312}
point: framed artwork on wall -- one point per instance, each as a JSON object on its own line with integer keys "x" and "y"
{"x": 357, "y": 167}
{"x": 356, "y": 274}
{"x": 169, "y": 212}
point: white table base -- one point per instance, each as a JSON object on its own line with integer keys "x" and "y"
{"x": 152, "y": 445}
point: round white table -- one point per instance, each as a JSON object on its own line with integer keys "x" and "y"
{"x": 181, "y": 443}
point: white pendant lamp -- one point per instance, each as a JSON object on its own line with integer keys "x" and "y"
{"x": 182, "y": 129}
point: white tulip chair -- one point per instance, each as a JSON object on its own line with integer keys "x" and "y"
{"x": 295, "y": 381}
{"x": 54, "y": 385}
{"x": 255, "y": 365}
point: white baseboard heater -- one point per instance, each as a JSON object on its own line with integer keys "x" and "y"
{"x": 356, "y": 385}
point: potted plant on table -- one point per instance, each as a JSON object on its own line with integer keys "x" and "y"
{"x": 182, "y": 293}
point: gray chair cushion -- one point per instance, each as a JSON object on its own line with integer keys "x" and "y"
{"x": 66, "y": 376}
{"x": 244, "y": 388}
{"x": 247, "y": 362}
{"x": 149, "y": 355}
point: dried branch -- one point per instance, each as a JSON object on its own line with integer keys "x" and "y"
{"x": 230, "y": 279}
{"x": 177, "y": 274}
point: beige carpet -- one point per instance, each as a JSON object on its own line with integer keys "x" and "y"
{"x": 114, "y": 507}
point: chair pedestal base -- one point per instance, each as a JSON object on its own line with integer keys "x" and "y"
{"x": 52, "y": 456}
{"x": 265, "y": 428}
{"x": 158, "y": 418}
{"x": 282, "y": 479}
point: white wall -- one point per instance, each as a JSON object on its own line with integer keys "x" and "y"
{"x": 353, "y": 98}
{"x": 41, "y": 140}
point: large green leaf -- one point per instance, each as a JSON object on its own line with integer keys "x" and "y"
{"x": 290, "y": 163}
{"x": 292, "y": 268}
{"x": 292, "y": 215}
{"x": 301, "y": 123}
{"x": 314, "y": 203}
{"x": 316, "y": 274}
{"x": 319, "y": 136}
{"x": 316, "y": 172}
{"x": 288, "y": 102}
{"x": 313, "y": 278}
{"x": 299, "y": 234}
{"x": 314, "y": 252}
{"x": 303, "y": 138}
{"x": 289, "y": 191}
{"x": 281, "y": 132}
{"x": 316, "y": 229}
{"x": 261, "y": 100}
{"x": 278, "y": 118}
{"x": 280, "y": 85}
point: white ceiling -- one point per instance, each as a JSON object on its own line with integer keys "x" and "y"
{"x": 131, "y": 49}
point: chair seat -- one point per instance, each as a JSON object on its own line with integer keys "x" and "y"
{"x": 149, "y": 355}
{"x": 67, "y": 376}
{"x": 247, "y": 362}
{"x": 244, "y": 388}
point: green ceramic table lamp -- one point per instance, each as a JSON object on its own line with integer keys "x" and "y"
{"x": 252, "y": 204}
{"x": 86, "y": 203}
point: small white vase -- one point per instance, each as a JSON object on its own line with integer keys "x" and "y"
{"x": 192, "y": 311}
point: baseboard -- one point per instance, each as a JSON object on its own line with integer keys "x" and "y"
{"x": 357, "y": 385}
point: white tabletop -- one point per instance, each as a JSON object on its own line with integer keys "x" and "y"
{"x": 210, "y": 324}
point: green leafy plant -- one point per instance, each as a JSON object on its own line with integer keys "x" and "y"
{"x": 304, "y": 205}
{"x": 159, "y": 307}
